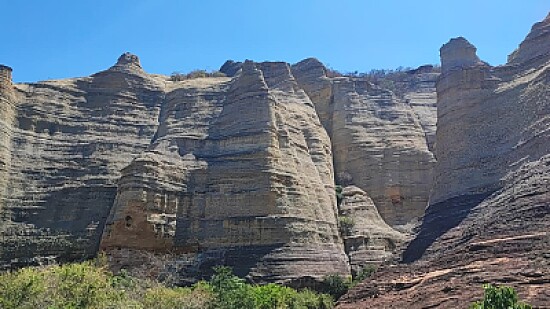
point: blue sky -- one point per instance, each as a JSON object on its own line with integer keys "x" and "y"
{"x": 59, "y": 39}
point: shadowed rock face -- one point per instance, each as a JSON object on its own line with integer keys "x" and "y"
{"x": 488, "y": 218}
{"x": 368, "y": 240}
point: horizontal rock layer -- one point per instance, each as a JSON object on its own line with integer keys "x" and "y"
{"x": 378, "y": 139}
{"x": 488, "y": 218}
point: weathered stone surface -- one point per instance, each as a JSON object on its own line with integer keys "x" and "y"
{"x": 417, "y": 88}
{"x": 535, "y": 47}
{"x": 488, "y": 218}
{"x": 6, "y": 123}
{"x": 69, "y": 140}
{"x": 231, "y": 68}
{"x": 311, "y": 75}
{"x": 369, "y": 241}
{"x": 240, "y": 171}
{"x": 378, "y": 142}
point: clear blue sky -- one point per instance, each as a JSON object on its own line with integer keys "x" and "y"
{"x": 59, "y": 39}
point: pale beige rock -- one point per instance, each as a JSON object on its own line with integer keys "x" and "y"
{"x": 369, "y": 241}
{"x": 240, "y": 173}
{"x": 69, "y": 141}
{"x": 378, "y": 141}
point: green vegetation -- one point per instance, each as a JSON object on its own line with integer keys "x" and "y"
{"x": 336, "y": 285}
{"x": 91, "y": 285}
{"x": 345, "y": 225}
{"x": 178, "y": 76}
{"x": 499, "y": 297}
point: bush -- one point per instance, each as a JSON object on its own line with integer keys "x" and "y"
{"x": 87, "y": 285}
{"x": 364, "y": 273}
{"x": 339, "y": 195}
{"x": 336, "y": 285}
{"x": 345, "y": 225}
{"x": 178, "y": 76}
{"x": 499, "y": 298}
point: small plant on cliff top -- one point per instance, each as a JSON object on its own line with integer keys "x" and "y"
{"x": 500, "y": 297}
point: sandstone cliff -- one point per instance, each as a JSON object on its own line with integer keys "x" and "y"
{"x": 240, "y": 173}
{"x": 66, "y": 144}
{"x": 368, "y": 239}
{"x": 488, "y": 215}
{"x": 378, "y": 139}
{"x": 235, "y": 170}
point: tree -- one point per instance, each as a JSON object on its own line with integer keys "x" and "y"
{"x": 499, "y": 297}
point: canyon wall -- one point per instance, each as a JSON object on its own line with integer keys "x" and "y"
{"x": 238, "y": 170}
{"x": 487, "y": 221}
{"x": 378, "y": 138}
{"x": 67, "y": 142}
{"x": 240, "y": 173}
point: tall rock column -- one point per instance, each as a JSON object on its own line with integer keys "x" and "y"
{"x": 465, "y": 84}
{"x": 7, "y": 113}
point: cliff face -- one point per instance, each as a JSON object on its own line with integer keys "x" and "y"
{"x": 69, "y": 140}
{"x": 488, "y": 215}
{"x": 222, "y": 170}
{"x": 378, "y": 139}
{"x": 240, "y": 173}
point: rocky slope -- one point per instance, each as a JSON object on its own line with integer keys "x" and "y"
{"x": 487, "y": 221}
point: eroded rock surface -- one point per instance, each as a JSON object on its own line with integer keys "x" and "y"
{"x": 241, "y": 169}
{"x": 488, "y": 219}
{"x": 67, "y": 142}
{"x": 367, "y": 238}
{"x": 378, "y": 140}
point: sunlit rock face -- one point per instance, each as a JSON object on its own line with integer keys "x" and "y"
{"x": 378, "y": 140}
{"x": 240, "y": 171}
{"x": 488, "y": 218}
{"x": 236, "y": 170}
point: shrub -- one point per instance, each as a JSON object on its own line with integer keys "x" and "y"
{"x": 364, "y": 273}
{"x": 86, "y": 285}
{"x": 499, "y": 298}
{"x": 178, "y": 76}
{"x": 336, "y": 285}
{"x": 339, "y": 196}
{"x": 230, "y": 290}
{"x": 345, "y": 225}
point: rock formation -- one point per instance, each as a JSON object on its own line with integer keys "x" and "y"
{"x": 378, "y": 141}
{"x": 233, "y": 170}
{"x": 66, "y": 144}
{"x": 240, "y": 172}
{"x": 487, "y": 221}
{"x": 367, "y": 238}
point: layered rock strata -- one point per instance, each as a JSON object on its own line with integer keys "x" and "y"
{"x": 240, "y": 173}
{"x": 367, "y": 238}
{"x": 67, "y": 142}
{"x": 217, "y": 170}
{"x": 378, "y": 141}
{"x": 488, "y": 219}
